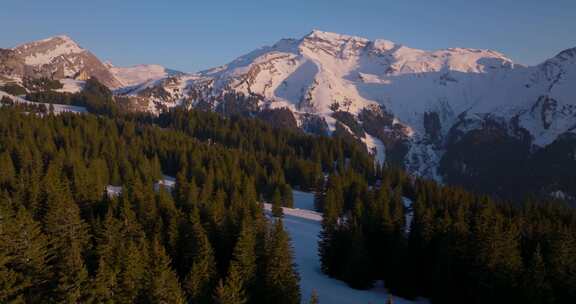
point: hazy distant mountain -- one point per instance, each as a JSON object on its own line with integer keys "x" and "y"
{"x": 134, "y": 75}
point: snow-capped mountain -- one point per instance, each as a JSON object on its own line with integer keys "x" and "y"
{"x": 449, "y": 114}
{"x": 411, "y": 104}
{"x": 56, "y": 57}
{"x": 62, "y": 58}
{"x": 134, "y": 75}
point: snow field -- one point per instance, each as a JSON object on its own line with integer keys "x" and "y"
{"x": 304, "y": 226}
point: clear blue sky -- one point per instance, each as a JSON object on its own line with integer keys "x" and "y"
{"x": 193, "y": 35}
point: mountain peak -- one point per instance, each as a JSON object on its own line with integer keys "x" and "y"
{"x": 567, "y": 54}
{"x": 64, "y": 38}
{"x": 323, "y": 35}
{"x": 54, "y": 40}
{"x": 45, "y": 50}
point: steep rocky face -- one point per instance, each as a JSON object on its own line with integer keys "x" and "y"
{"x": 10, "y": 63}
{"x": 61, "y": 57}
{"x": 56, "y": 58}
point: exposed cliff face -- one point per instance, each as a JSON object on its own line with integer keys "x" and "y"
{"x": 56, "y": 58}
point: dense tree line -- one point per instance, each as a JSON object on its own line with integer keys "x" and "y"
{"x": 304, "y": 159}
{"x": 38, "y": 108}
{"x": 446, "y": 244}
{"x": 62, "y": 239}
{"x": 95, "y": 97}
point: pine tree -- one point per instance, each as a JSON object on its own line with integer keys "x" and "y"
{"x": 357, "y": 271}
{"x": 12, "y": 283}
{"x": 244, "y": 259}
{"x": 277, "y": 204}
{"x": 202, "y": 275}
{"x": 280, "y": 278}
{"x": 26, "y": 252}
{"x": 181, "y": 188}
{"x": 69, "y": 237}
{"x": 73, "y": 277}
{"x": 538, "y": 288}
{"x": 314, "y": 299}
{"x": 8, "y": 175}
{"x": 191, "y": 199}
{"x": 563, "y": 264}
{"x": 133, "y": 265}
{"x": 287, "y": 197}
{"x": 104, "y": 285}
{"x": 232, "y": 290}
{"x": 162, "y": 283}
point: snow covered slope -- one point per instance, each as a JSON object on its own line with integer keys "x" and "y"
{"x": 304, "y": 228}
{"x": 130, "y": 76}
{"x": 57, "y": 57}
{"x": 412, "y": 103}
{"x": 323, "y": 68}
{"x": 60, "y": 57}
{"x": 58, "y": 108}
{"x": 411, "y": 107}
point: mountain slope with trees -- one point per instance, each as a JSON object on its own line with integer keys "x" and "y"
{"x": 63, "y": 240}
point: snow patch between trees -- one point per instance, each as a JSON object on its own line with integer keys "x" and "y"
{"x": 304, "y": 227}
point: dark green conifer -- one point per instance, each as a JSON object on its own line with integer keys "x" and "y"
{"x": 277, "y": 204}
{"x": 162, "y": 284}
{"x": 202, "y": 275}
{"x": 231, "y": 291}
{"x": 282, "y": 283}
{"x": 314, "y": 299}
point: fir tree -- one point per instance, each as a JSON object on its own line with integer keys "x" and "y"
{"x": 281, "y": 278}
{"x": 287, "y": 197}
{"x": 202, "y": 275}
{"x": 133, "y": 265}
{"x": 232, "y": 290}
{"x": 314, "y": 299}
{"x": 12, "y": 283}
{"x": 73, "y": 277}
{"x": 277, "y": 204}
{"x": 244, "y": 256}
{"x": 104, "y": 285}
{"x": 8, "y": 175}
{"x": 538, "y": 289}
{"x": 26, "y": 252}
{"x": 162, "y": 283}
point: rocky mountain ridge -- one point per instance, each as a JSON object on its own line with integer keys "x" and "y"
{"x": 415, "y": 108}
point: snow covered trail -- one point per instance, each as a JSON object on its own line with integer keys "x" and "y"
{"x": 303, "y": 225}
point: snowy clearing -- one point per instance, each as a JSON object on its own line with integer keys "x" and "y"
{"x": 167, "y": 182}
{"x": 298, "y": 213}
{"x": 303, "y": 200}
{"x": 304, "y": 228}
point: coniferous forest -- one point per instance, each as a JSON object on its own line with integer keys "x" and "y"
{"x": 64, "y": 239}
{"x": 446, "y": 244}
